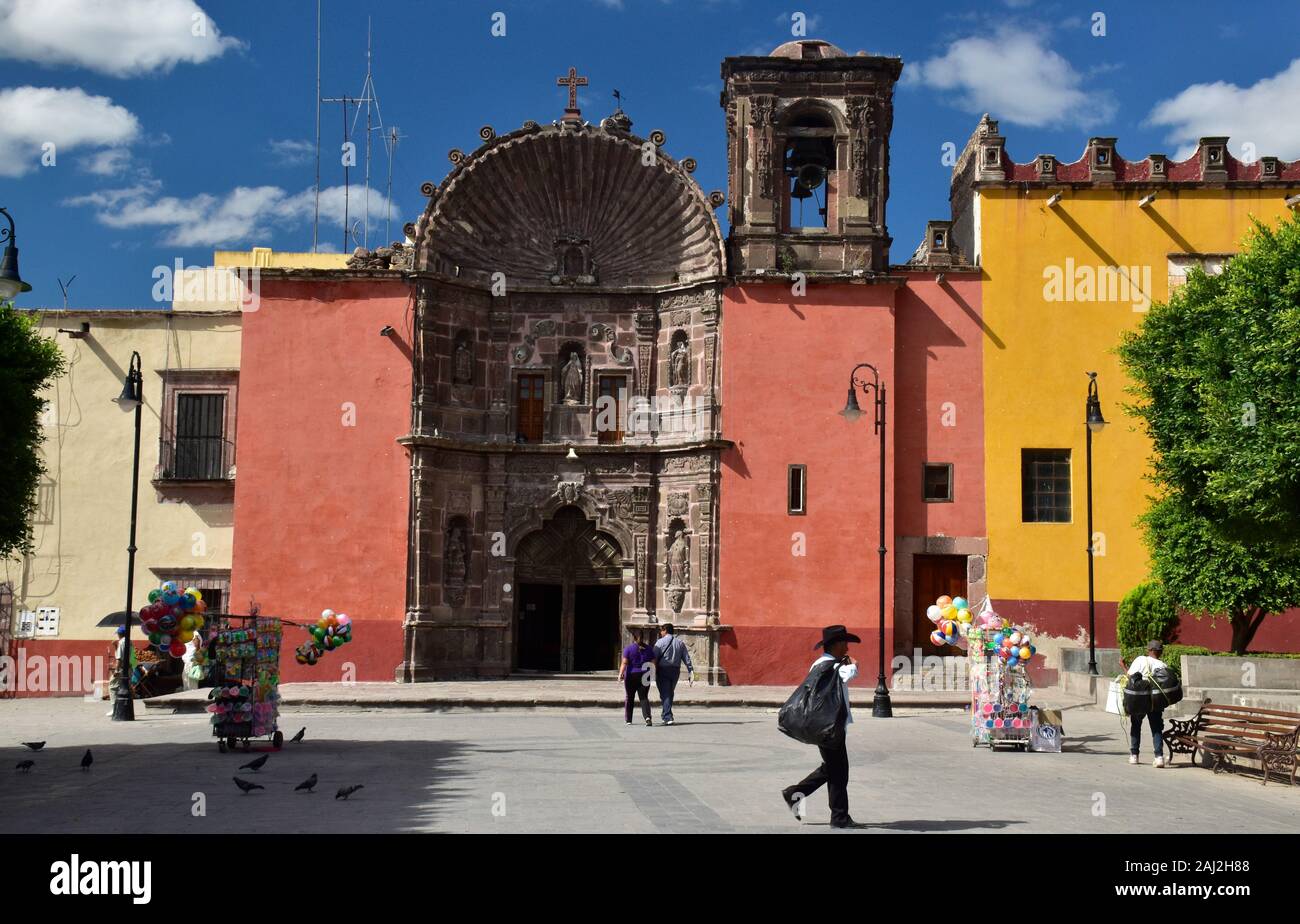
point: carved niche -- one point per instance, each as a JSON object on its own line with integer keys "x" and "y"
{"x": 455, "y": 561}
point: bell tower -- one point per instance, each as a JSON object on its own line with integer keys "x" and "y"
{"x": 808, "y": 159}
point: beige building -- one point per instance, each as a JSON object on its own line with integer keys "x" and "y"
{"x": 190, "y": 354}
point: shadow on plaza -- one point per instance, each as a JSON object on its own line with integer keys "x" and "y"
{"x": 932, "y": 825}
{"x": 155, "y": 788}
{"x": 1079, "y": 744}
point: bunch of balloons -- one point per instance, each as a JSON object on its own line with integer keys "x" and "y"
{"x": 172, "y": 617}
{"x": 951, "y": 617}
{"x": 1014, "y": 646}
{"x": 332, "y": 630}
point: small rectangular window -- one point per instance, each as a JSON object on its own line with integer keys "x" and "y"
{"x": 1045, "y": 485}
{"x": 937, "y": 482}
{"x": 797, "y": 492}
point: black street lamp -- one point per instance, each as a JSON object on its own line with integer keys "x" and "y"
{"x": 132, "y": 397}
{"x": 1093, "y": 422}
{"x": 881, "y": 707}
{"x": 11, "y": 283}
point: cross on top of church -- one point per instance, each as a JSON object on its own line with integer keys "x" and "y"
{"x": 572, "y": 81}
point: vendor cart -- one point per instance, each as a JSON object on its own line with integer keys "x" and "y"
{"x": 1000, "y": 713}
{"x": 245, "y": 657}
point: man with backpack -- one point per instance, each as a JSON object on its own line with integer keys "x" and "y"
{"x": 834, "y": 769}
{"x": 1157, "y": 688}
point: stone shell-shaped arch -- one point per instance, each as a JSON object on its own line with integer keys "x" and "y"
{"x": 601, "y": 516}
{"x": 504, "y": 207}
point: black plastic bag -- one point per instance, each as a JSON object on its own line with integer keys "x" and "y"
{"x": 1137, "y": 695}
{"x": 1166, "y": 689}
{"x": 815, "y": 711}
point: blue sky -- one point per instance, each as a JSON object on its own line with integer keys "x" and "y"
{"x": 169, "y": 144}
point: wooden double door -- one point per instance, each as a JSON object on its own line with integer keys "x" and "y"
{"x": 934, "y": 576}
{"x": 568, "y": 627}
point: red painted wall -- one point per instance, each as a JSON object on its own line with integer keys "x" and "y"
{"x": 937, "y": 403}
{"x": 320, "y": 507}
{"x": 785, "y": 370}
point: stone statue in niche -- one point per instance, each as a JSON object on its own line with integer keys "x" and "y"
{"x": 463, "y": 373}
{"x": 678, "y": 561}
{"x": 571, "y": 379}
{"x": 456, "y": 570}
{"x": 679, "y": 365}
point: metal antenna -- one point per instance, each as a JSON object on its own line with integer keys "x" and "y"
{"x": 315, "y": 225}
{"x": 64, "y": 286}
{"x": 367, "y": 98}
{"x": 391, "y": 140}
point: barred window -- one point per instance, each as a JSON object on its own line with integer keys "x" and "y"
{"x": 1045, "y": 485}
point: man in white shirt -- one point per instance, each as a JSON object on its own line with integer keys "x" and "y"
{"x": 834, "y": 769}
{"x": 1144, "y": 666}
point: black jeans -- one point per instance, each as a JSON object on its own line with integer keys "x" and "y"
{"x": 1157, "y": 722}
{"x": 834, "y": 773}
{"x": 633, "y": 686}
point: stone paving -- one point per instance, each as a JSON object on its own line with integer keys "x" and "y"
{"x": 564, "y": 770}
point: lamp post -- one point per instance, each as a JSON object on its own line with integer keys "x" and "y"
{"x": 11, "y": 283}
{"x": 881, "y": 707}
{"x": 132, "y": 396}
{"x": 1093, "y": 422}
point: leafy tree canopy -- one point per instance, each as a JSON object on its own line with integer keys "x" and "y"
{"x": 1216, "y": 371}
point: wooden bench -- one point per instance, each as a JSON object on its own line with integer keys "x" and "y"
{"x": 1222, "y": 733}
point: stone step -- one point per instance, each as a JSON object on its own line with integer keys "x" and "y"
{"x": 1285, "y": 700}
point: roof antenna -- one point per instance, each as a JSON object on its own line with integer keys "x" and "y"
{"x": 315, "y": 225}
{"x": 64, "y": 286}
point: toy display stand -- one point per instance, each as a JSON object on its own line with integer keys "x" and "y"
{"x": 245, "y": 705}
{"x": 1000, "y": 712}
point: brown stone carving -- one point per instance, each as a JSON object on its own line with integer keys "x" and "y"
{"x": 571, "y": 379}
{"x": 678, "y": 504}
{"x": 455, "y": 560}
{"x": 679, "y": 366}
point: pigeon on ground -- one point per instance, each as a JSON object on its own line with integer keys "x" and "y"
{"x": 308, "y": 784}
{"x": 246, "y": 786}
{"x": 347, "y": 791}
{"x": 298, "y": 737}
{"x": 25, "y": 765}
{"x": 256, "y": 764}
{"x": 34, "y": 745}
{"x": 87, "y": 760}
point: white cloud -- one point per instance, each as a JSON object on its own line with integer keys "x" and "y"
{"x": 290, "y": 151}
{"x": 108, "y": 162}
{"x": 115, "y": 37}
{"x": 244, "y": 215}
{"x": 1265, "y": 114}
{"x": 1016, "y": 78}
{"x": 31, "y": 117}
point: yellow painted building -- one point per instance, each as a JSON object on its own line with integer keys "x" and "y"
{"x": 190, "y": 356}
{"x": 1072, "y": 256}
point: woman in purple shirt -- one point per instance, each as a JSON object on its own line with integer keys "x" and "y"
{"x": 635, "y": 674}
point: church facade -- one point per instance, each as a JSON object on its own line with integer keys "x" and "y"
{"x": 567, "y": 406}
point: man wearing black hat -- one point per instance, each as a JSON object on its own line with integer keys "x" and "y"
{"x": 834, "y": 769}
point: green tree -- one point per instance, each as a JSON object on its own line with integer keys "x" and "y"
{"x": 1216, "y": 371}
{"x": 1147, "y": 612}
{"x": 28, "y": 362}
